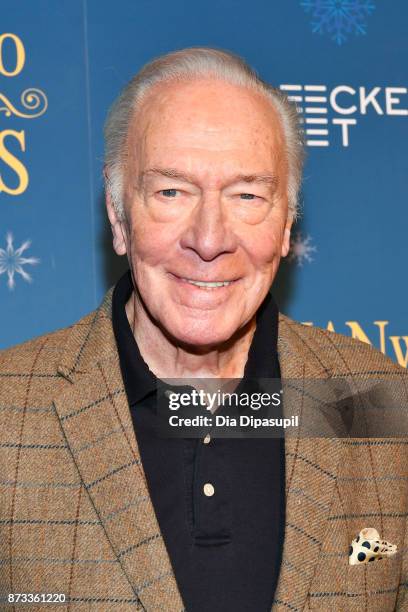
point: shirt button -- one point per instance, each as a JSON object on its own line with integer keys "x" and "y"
{"x": 207, "y": 439}
{"x": 208, "y": 489}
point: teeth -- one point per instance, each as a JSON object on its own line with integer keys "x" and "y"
{"x": 209, "y": 285}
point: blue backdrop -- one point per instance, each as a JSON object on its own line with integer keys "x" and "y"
{"x": 63, "y": 62}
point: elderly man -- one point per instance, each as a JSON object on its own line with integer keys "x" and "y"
{"x": 203, "y": 164}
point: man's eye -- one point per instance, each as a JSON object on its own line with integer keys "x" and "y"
{"x": 169, "y": 193}
{"x": 247, "y": 196}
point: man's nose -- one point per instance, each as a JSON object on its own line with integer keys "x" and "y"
{"x": 209, "y": 231}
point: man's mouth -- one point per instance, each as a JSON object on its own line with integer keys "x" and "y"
{"x": 203, "y": 284}
{"x": 207, "y": 284}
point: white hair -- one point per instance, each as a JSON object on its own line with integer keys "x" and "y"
{"x": 193, "y": 64}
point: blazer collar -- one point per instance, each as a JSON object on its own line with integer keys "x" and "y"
{"x": 96, "y": 421}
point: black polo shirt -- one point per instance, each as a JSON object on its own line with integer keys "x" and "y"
{"x": 225, "y": 548}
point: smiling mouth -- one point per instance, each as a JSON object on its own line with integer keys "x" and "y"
{"x": 207, "y": 284}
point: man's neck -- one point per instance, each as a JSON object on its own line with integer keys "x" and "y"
{"x": 167, "y": 359}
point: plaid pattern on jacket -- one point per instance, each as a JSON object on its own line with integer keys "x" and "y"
{"x": 75, "y": 512}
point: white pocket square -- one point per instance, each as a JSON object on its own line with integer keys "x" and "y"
{"x": 368, "y": 546}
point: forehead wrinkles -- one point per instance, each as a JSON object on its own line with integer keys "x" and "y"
{"x": 167, "y": 109}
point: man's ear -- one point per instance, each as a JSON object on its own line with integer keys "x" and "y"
{"x": 286, "y": 238}
{"x": 118, "y": 226}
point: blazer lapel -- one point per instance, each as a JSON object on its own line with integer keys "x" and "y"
{"x": 96, "y": 421}
{"x": 310, "y": 473}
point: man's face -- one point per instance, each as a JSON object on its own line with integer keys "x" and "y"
{"x": 206, "y": 207}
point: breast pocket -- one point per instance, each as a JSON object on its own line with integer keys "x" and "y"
{"x": 374, "y": 586}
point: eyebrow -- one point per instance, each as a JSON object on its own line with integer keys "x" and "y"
{"x": 267, "y": 179}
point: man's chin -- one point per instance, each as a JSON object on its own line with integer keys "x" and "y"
{"x": 203, "y": 336}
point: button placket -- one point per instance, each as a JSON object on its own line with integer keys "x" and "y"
{"x": 212, "y": 509}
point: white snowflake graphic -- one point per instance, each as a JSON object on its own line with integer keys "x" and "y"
{"x": 301, "y": 249}
{"x": 339, "y": 18}
{"x": 12, "y": 261}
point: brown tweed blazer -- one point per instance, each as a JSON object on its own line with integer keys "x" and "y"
{"x": 75, "y": 512}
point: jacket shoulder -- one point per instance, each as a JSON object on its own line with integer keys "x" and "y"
{"x": 41, "y": 353}
{"x": 343, "y": 355}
